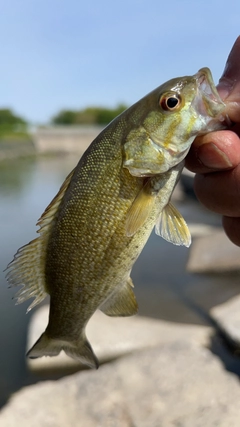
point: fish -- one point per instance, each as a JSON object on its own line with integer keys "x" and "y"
{"x": 94, "y": 229}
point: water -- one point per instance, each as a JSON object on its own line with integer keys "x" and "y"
{"x": 163, "y": 287}
{"x": 26, "y": 187}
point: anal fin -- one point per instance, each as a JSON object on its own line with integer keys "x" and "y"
{"x": 172, "y": 227}
{"x": 122, "y": 303}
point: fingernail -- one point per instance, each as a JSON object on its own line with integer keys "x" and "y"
{"x": 212, "y": 157}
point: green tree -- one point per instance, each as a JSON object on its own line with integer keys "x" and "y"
{"x": 106, "y": 115}
{"x": 11, "y": 125}
{"x": 65, "y": 117}
{"x": 89, "y": 115}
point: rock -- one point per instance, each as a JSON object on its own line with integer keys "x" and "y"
{"x": 227, "y": 318}
{"x": 92, "y": 399}
{"x": 200, "y": 229}
{"x": 178, "y": 383}
{"x": 112, "y": 337}
{"x": 213, "y": 253}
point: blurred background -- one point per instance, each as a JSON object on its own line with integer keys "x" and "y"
{"x": 66, "y": 64}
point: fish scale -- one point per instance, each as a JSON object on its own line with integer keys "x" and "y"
{"x": 96, "y": 226}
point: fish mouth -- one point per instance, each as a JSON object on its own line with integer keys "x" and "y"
{"x": 211, "y": 105}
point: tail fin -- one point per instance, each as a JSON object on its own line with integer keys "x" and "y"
{"x": 80, "y": 350}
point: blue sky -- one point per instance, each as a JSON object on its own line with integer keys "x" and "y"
{"x": 71, "y": 54}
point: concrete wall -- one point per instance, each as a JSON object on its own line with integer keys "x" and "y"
{"x": 14, "y": 149}
{"x": 65, "y": 139}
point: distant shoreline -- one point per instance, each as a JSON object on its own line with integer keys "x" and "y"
{"x": 15, "y": 149}
{"x": 51, "y": 140}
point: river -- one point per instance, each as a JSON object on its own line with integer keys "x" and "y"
{"x": 163, "y": 287}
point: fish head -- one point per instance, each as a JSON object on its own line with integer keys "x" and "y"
{"x": 170, "y": 118}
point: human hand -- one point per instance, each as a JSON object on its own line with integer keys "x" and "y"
{"x": 215, "y": 157}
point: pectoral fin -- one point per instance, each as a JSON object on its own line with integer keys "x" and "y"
{"x": 139, "y": 211}
{"x": 121, "y": 303}
{"x": 172, "y": 227}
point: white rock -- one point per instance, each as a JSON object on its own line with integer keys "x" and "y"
{"x": 197, "y": 229}
{"x": 227, "y": 317}
{"x": 178, "y": 383}
{"x": 213, "y": 253}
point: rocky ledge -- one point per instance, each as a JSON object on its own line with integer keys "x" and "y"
{"x": 215, "y": 254}
{"x": 153, "y": 373}
{"x": 158, "y": 374}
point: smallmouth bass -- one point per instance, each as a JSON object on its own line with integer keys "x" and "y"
{"x": 96, "y": 226}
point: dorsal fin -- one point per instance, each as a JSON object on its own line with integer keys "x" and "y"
{"x": 28, "y": 265}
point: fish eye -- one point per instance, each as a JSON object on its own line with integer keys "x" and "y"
{"x": 170, "y": 101}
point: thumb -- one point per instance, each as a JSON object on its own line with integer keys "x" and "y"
{"x": 229, "y": 83}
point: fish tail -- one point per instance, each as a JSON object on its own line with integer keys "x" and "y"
{"x": 45, "y": 346}
{"x": 80, "y": 350}
{"x": 83, "y": 352}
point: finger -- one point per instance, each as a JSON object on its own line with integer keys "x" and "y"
{"x": 221, "y": 154}
{"x": 229, "y": 83}
{"x": 220, "y": 191}
{"x": 214, "y": 151}
{"x": 232, "y": 229}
